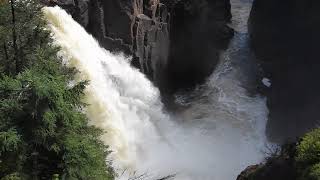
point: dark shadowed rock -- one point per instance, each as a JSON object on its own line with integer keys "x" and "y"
{"x": 198, "y": 34}
{"x": 77, "y": 8}
{"x": 285, "y": 38}
{"x": 277, "y": 167}
{"x": 175, "y": 42}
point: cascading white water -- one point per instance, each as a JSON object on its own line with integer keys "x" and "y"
{"x": 143, "y": 138}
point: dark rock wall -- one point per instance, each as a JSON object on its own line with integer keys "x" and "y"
{"x": 175, "y": 42}
{"x": 135, "y": 27}
{"x": 285, "y": 37}
{"x": 198, "y": 35}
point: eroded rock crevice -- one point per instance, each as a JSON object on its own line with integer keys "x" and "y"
{"x": 175, "y": 42}
{"x": 199, "y": 33}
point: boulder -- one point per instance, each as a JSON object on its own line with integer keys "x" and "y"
{"x": 278, "y": 166}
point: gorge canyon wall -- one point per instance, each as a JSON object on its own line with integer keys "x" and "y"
{"x": 176, "y": 43}
{"x": 285, "y": 38}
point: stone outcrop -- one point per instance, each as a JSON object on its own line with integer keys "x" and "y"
{"x": 139, "y": 28}
{"x": 278, "y": 170}
{"x": 174, "y": 42}
{"x": 285, "y": 38}
{"x": 198, "y": 34}
{"x": 279, "y": 166}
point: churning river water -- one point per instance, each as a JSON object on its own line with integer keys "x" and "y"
{"x": 219, "y": 132}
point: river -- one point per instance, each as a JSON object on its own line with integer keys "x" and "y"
{"x": 219, "y": 131}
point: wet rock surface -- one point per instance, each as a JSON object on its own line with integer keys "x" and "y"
{"x": 175, "y": 42}
{"x": 198, "y": 35}
{"x": 279, "y": 166}
{"x": 285, "y": 37}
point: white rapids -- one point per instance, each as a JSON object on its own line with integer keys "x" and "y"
{"x": 146, "y": 142}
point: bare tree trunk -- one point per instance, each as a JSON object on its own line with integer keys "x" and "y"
{"x": 6, "y": 63}
{"x": 14, "y": 38}
{"x": 5, "y": 51}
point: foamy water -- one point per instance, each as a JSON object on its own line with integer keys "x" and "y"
{"x": 214, "y": 140}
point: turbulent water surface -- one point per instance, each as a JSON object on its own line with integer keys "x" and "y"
{"x": 219, "y": 132}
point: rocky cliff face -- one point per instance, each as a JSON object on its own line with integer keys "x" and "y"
{"x": 175, "y": 42}
{"x": 198, "y": 35}
{"x": 140, "y": 28}
{"x": 285, "y": 38}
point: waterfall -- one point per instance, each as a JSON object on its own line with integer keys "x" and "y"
{"x": 143, "y": 138}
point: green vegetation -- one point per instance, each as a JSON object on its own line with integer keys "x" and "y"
{"x": 308, "y": 156}
{"x": 43, "y": 133}
{"x": 294, "y": 161}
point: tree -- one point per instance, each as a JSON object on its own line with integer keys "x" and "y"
{"x": 308, "y": 156}
{"x": 43, "y": 132}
